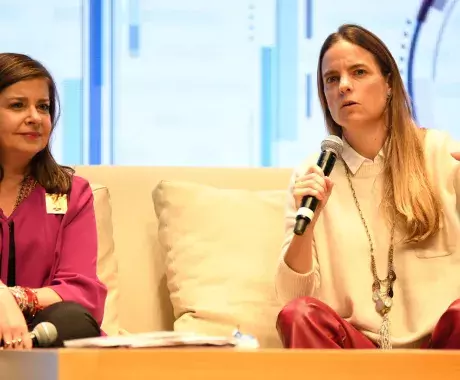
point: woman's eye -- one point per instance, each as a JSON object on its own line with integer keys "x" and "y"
{"x": 17, "y": 105}
{"x": 44, "y": 107}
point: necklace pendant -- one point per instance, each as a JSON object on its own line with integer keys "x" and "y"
{"x": 388, "y": 302}
{"x": 392, "y": 276}
{"x": 383, "y": 304}
{"x": 375, "y": 295}
{"x": 376, "y": 286}
{"x": 390, "y": 292}
{"x": 381, "y": 307}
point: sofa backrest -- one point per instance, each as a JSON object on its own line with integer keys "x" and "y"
{"x": 143, "y": 300}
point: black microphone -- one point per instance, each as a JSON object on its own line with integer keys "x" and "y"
{"x": 331, "y": 149}
{"x": 43, "y": 335}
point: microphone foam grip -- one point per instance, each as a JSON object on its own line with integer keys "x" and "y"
{"x": 45, "y": 334}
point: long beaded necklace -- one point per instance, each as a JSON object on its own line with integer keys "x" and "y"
{"x": 382, "y": 290}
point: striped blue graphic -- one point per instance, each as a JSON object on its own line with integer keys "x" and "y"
{"x": 134, "y": 28}
{"x": 72, "y": 121}
{"x": 267, "y": 95}
{"x": 308, "y": 19}
{"x": 95, "y": 81}
{"x": 308, "y": 95}
{"x": 287, "y": 29}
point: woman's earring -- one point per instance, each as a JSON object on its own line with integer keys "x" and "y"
{"x": 389, "y": 94}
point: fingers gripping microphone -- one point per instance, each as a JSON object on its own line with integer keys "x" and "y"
{"x": 331, "y": 149}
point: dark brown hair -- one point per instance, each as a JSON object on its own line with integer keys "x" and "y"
{"x": 14, "y": 68}
{"x": 407, "y": 189}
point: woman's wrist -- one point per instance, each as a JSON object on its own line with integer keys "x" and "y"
{"x": 27, "y": 301}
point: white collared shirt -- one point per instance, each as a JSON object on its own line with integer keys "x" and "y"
{"x": 354, "y": 160}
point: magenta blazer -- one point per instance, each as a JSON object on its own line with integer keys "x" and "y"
{"x": 52, "y": 250}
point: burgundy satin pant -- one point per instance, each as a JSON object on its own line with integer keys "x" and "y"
{"x": 309, "y": 323}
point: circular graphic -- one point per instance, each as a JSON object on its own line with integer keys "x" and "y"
{"x": 433, "y": 58}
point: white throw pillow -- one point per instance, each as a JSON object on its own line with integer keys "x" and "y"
{"x": 221, "y": 250}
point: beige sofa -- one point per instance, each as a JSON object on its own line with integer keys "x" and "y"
{"x": 191, "y": 249}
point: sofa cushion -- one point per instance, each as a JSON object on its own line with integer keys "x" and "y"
{"x": 107, "y": 268}
{"x": 221, "y": 248}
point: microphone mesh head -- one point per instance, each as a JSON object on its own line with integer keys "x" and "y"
{"x": 333, "y": 143}
{"x": 45, "y": 333}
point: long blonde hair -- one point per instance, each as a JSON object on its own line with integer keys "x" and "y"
{"x": 407, "y": 188}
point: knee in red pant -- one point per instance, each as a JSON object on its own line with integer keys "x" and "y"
{"x": 446, "y": 333}
{"x": 299, "y": 309}
{"x": 309, "y": 323}
{"x": 300, "y": 317}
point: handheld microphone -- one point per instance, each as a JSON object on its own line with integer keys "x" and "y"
{"x": 43, "y": 335}
{"x": 331, "y": 149}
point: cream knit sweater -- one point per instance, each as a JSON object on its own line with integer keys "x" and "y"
{"x": 428, "y": 274}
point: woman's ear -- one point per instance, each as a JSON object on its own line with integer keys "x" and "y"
{"x": 388, "y": 80}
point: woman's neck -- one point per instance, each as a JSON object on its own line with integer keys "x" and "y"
{"x": 367, "y": 143}
{"x": 13, "y": 173}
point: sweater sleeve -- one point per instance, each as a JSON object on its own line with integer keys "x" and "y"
{"x": 289, "y": 284}
{"x": 75, "y": 276}
{"x": 454, "y": 146}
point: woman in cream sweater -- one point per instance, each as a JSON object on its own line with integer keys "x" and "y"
{"x": 379, "y": 265}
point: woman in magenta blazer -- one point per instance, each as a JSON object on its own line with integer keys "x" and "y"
{"x": 48, "y": 246}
